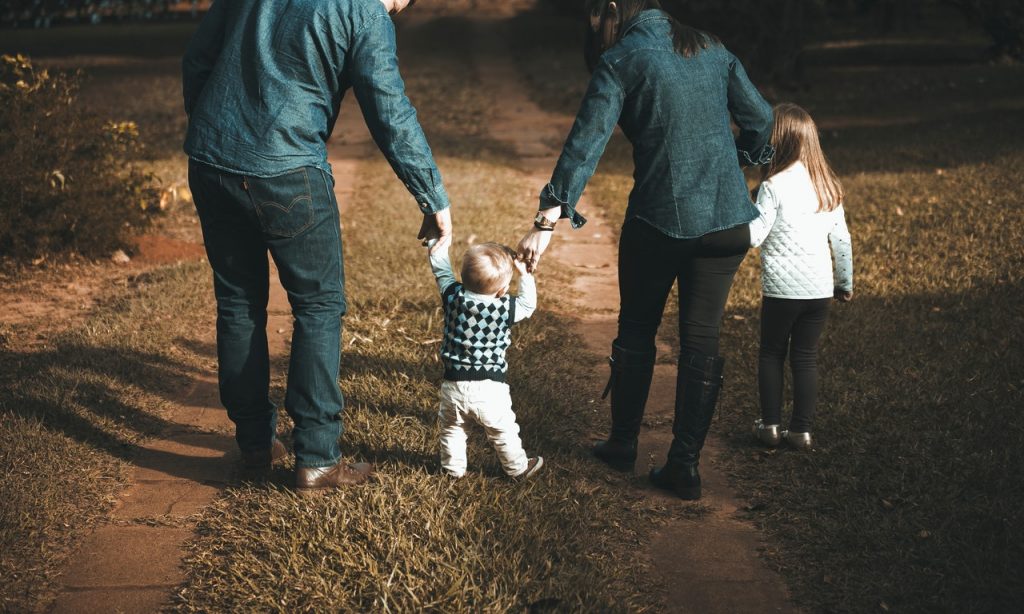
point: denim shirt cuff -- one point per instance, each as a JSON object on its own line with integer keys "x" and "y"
{"x": 548, "y": 200}
{"x": 763, "y": 156}
{"x": 433, "y": 201}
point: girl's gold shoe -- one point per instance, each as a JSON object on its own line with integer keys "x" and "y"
{"x": 800, "y": 441}
{"x": 768, "y": 434}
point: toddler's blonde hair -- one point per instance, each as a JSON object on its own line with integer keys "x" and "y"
{"x": 487, "y": 268}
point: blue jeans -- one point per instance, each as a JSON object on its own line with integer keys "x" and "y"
{"x": 294, "y": 217}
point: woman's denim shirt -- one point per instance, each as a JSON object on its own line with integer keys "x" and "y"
{"x": 675, "y": 111}
{"x": 263, "y": 83}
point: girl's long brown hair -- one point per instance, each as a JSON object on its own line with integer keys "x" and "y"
{"x": 603, "y": 31}
{"x": 795, "y": 137}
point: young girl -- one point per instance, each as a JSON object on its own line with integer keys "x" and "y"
{"x": 801, "y": 214}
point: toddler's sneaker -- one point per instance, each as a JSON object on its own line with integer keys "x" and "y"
{"x": 533, "y": 465}
{"x": 768, "y": 434}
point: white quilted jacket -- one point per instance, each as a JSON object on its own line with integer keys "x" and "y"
{"x": 795, "y": 237}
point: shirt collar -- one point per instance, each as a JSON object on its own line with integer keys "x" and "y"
{"x": 643, "y": 17}
{"x": 480, "y": 298}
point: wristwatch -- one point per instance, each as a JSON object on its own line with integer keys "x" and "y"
{"x": 541, "y": 222}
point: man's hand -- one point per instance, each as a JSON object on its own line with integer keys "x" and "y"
{"x": 843, "y": 296}
{"x": 437, "y": 226}
{"x": 532, "y": 247}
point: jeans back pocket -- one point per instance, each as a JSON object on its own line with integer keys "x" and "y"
{"x": 284, "y": 204}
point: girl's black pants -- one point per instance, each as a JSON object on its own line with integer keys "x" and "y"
{"x": 793, "y": 326}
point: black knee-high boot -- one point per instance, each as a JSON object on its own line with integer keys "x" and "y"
{"x": 629, "y": 384}
{"x": 698, "y": 383}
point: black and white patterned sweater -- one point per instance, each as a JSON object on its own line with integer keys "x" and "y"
{"x": 477, "y": 328}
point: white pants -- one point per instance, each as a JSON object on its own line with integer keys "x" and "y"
{"x": 489, "y": 404}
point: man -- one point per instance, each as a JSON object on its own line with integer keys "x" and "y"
{"x": 263, "y": 82}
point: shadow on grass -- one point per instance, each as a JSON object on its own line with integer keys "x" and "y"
{"x": 911, "y": 497}
{"x": 105, "y": 397}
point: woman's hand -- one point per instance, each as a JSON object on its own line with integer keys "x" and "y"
{"x": 532, "y": 247}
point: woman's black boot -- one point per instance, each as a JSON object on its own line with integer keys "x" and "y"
{"x": 698, "y": 383}
{"x": 629, "y": 383}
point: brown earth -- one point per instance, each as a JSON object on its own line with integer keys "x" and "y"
{"x": 157, "y": 249}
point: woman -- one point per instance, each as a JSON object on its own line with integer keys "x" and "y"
{"x": 672, "y": 89}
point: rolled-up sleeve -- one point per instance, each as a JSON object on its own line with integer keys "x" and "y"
{"x": 390, "y": 115}
{"x": 752, "y": 114}
{"x": 599, "y": 113}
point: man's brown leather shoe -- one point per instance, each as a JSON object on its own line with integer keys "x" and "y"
{"x": 263, "y": 460}
{"x": 312, "y": 479}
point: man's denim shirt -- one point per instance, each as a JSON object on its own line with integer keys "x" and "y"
{"x": 675, "y": 111}
{"x": 263, "y": 82}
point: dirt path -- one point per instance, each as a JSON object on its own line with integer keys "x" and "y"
{"x": 705, "y": 565}
{"x": 133, "y": 562}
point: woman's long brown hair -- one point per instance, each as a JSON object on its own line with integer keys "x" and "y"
{"x": 795, "y": 138}
{"x": 604, "y": 31}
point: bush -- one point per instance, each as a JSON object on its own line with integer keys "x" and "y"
{"x": 67, "y": 183}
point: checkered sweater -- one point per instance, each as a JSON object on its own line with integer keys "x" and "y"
{"x": 477, "y": 327}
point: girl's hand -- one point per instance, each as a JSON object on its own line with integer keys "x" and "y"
{"x": 532, "y": 247}
{"x": 843, "y": 296}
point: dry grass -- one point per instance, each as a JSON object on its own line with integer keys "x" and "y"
{"x": 911, "y": 501}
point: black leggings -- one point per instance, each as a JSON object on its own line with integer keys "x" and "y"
{"x": 796, "y": 325}
{"x": 650, "y": 262}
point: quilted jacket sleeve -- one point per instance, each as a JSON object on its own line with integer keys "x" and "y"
{"x": 768, "y": 211}
{"x": 842, "y": 251}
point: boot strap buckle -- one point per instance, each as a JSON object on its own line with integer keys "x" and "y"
{"x": 611, "y": 378}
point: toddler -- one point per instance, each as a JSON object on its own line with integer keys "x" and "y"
{"x": 801, "y": 207}
{"x": 478, "y": 316}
